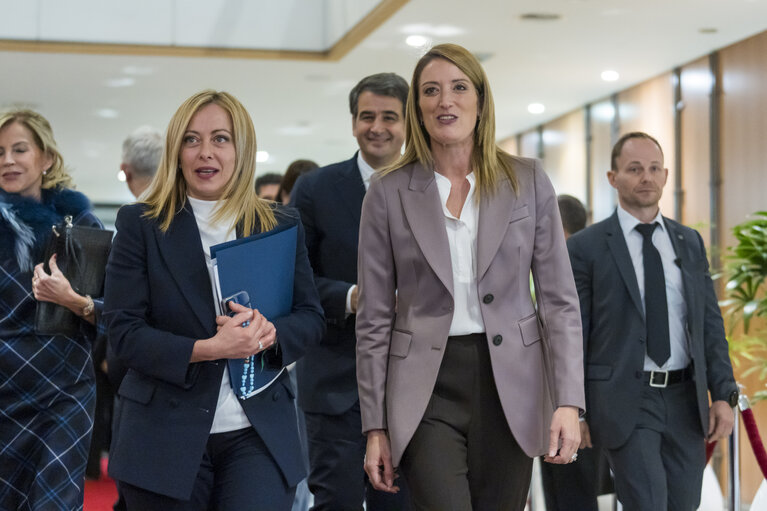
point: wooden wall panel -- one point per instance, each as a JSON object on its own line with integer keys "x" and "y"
{"x": 604, "y": 198}
{"x": 743, "y": 160}
{"x": 509, "y": 144}
{"x": 648, "y": 107}
{"x": 696, "y": 83}
{"x": 564, "y": 154}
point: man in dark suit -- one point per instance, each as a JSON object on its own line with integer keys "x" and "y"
{"x": 330, "y": 202}
{"x": 653, "y": 337}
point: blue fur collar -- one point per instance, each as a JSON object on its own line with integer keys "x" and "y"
{"x": 28, "y": 222}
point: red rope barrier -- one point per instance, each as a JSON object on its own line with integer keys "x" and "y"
{"x": 710, "y": 450}
{"x": 756, "y": 441}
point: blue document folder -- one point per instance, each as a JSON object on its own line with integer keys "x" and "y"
{"x": 262, "y": 265}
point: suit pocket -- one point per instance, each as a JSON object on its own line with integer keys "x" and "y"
{"x": 400, "y": 343}
{"x": 528, "y": 329}
{"x": 598, "y": 372}
{"x": 136, "y": 388}
{"x": 519, "y": 214}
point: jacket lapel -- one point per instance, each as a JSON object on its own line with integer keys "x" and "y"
{"x": 680, "y": 244}
{"x": 620, "y": 253}
{"x": 181, "y": 248}
{"x": 494, "y": 216}
{"x": 424, "y": 214}
{"x": 351, "y": 190}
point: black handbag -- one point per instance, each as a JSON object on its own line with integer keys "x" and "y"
{"x": 81, "y": 255}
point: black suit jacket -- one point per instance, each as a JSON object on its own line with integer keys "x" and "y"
{"x": 330, "y": 202}
{"x": 614, "y": 328}
{"x": 158, "y": 302}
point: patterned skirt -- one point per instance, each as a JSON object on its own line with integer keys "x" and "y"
{"x": 47, "y": 399}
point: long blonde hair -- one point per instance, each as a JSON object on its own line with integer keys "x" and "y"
{"x": 488, "y": 161}
{"x": 167, "y": 193}
{"x": 57, "y": 175}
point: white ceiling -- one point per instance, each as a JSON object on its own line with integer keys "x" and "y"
{"x": 300, "y": 108}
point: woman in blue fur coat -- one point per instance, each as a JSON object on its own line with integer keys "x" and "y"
{"x": 47, "y": 391}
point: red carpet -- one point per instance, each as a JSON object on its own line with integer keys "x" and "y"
{"x": 100, "y": 495}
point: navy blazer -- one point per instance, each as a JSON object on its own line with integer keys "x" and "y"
{"x": 614, "y": 328}
{"x": 330, "y": 202}
{"x": 158, "y": 302}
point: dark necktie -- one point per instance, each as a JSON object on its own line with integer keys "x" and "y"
{"x": 656, "y": 308}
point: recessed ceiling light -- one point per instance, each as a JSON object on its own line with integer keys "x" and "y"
{"x": 610, "y": 76}
{"x": 536, "y": 108}
{"x": 262, "y": 156}
{"x": 121, "y": 176}
{"x": 107, "y": 113}
{"x": 540, "y": 16}
{"x": 125, "y": 81}
{"x": 417, "y": 41}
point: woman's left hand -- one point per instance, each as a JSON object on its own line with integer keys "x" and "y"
{"x": 51, "y": 288}
{"x": 565, "y": 436}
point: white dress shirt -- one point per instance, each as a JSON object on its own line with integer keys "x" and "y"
{"x": 462, "y": 238}
{"x": 677, "y": 308}
{"x": 229, "y": 414}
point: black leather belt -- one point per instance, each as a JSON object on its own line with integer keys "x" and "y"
{"x": 663, "y": 379}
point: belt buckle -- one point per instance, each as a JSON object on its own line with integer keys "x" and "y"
{"x": 659, "y": 385}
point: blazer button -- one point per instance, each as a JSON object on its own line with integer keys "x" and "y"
{"x": 488, "y": 298}
{"x": 276, "y": 396}
{"x": 641, "y": 340}
{"x": 497, "y": 340}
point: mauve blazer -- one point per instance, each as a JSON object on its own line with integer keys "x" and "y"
{"x": 536, "y": 353}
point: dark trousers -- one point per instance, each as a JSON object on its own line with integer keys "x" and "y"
{"x": 237, "y": 473}
{"x": 576, "y": 486}
{"x": 661, "y": 465}
{"x": 336, "y": 456}
{"x": 463, "y": 455}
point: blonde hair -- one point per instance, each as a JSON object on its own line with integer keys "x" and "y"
{"x": 57, "y": 175}
{"x": 168, "y": 191}
{"x": 488, "y": 161}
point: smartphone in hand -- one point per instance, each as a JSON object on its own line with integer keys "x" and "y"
{"x": 241, "y": 298}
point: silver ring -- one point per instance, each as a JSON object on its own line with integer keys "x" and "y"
{"x": 260, "y": 346}
{"x": 574, "y": 457}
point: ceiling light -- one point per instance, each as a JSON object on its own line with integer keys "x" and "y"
{"x": 708, "y": 30}
{"x": 125, "y": 81}
{"x": 536, "y": 108}
{"x": 262, "y": 156}
{"x": 417, "y": 41}
{"x": 121, "y": 176}
{"x": 540, "y": 16}
{"x": 610, "y": 75}
{"x": 107, "y": 113}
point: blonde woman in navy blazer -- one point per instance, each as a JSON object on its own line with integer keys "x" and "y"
{"x": 462, "y": 380}
{"x": 182, "y": 441}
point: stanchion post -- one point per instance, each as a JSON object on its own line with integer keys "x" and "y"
{"x": 734, "y": 455}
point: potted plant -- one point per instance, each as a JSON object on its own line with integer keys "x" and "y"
{"x": 745, "y": 297}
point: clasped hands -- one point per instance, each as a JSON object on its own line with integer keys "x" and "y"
{"x": 233, "y": 340}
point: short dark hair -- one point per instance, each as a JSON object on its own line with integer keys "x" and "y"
{"x": 270, "y": 178}
{"x": 294, "y": 170}
{"x": 573, "y": 213}
{"x": 618, "y": 147}
{"x": 383, "y": 84}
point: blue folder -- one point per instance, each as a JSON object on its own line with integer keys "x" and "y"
{"x": 263, "y": 265}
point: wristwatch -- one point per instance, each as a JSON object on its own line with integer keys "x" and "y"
{"x": 88, "y": 308}
{"x": 732, "y": 399}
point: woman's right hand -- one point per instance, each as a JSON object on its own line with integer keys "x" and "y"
{"x": 378, "y": 462}
{"x": 232, "y": 340}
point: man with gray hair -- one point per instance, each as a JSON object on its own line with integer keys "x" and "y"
{"x": 142, "y": 151}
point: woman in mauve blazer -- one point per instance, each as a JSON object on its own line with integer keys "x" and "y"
{"x": 462, "y": 380}
{"x": 182, "y": 439}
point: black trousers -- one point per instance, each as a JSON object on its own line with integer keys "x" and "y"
{"x": 337, "y": 476}
{"x": 463, "y": 455}
{"x": 576, "y": 486}
{"x": 237, "y": 473}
